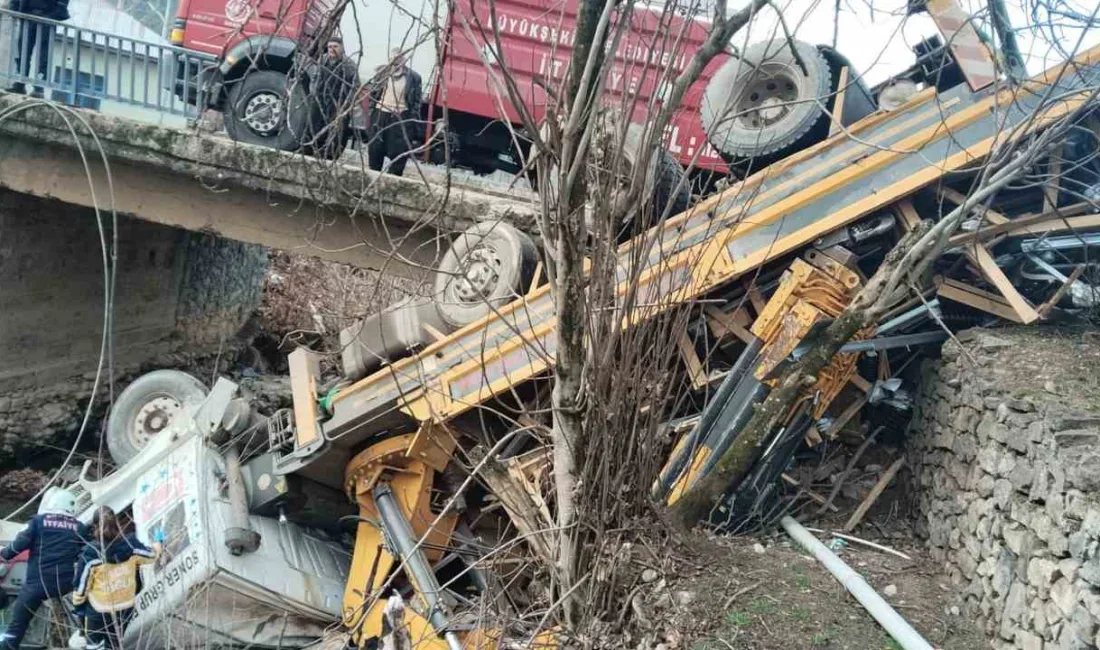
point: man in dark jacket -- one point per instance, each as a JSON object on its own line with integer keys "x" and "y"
{"x": 55, "y": 540}
{"x": 334, "y": 81}
{"x": 28, "y": 34}
{"x": 395, "y": 99}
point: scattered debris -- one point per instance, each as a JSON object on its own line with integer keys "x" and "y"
{"x": 873, "y": 495}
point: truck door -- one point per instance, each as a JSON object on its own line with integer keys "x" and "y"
{"x": 216, "y": 25}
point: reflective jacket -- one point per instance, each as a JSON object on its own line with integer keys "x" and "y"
{"x": 109, "y": 579}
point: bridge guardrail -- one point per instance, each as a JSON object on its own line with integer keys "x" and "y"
{"x": 86, "y": 67}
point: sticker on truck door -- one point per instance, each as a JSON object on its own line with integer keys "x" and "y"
{"x": 237, "y": 11}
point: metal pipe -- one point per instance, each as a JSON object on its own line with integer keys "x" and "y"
{"x": 903, "y": 319}
{"x": 711, "y": 411}
{"x": 400, "y": 535}
{"x": 1043, "y": 244}
{"x": 888, "y": 618}
{"x": 239, "y": 537}
{"x": 882, "y": 343}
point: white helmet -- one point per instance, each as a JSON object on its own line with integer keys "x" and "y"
{"x": 59, "y": 502}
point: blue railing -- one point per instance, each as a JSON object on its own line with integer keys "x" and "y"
{"x": 94, "y": 69}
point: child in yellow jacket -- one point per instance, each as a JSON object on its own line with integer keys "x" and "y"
{"x": 108, "y": 581}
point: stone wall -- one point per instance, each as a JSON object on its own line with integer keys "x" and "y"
{"x": 179, "y": 296}
{"x": 52, "y": 288}
{"x": 1006, "y": 450}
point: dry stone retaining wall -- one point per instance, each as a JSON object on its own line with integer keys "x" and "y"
{"x": 1006, "y": 458}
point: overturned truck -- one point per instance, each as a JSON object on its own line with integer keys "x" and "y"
{"x": 278, "y": 526}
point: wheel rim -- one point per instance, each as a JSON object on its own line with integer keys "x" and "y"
{"x": 155, "y": 416}
{"x": 480, "y": 276}
{"x": 766, "y": 99}
{"x": 263, "y": 113}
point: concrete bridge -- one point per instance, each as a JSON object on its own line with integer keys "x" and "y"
{"x": 196, "y": 213}
{"x": 207, "y": 183}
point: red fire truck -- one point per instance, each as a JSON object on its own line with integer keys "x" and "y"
{"x": 458, "y": 49}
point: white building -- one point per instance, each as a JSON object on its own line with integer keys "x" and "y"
{"x": 113, "y": 62}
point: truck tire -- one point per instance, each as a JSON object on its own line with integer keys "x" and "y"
{"x": 487, "y": 266}
{"x": 263, "y": 108}
{"x": 671, "y": 192}
{"x": 148, "y": 406}
{"x": 760, "y": 107}
{"x": 668, "y": 190}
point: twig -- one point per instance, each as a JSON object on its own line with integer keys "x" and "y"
{"x": 848, "y": 470}
{"x": 858, "y": 540}
{"x": 737, "y": 594}
{"x": 810, "y": 493}
{"x": 765, "y": 624}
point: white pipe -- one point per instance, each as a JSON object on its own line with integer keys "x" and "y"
{"x": 888, "y": 618}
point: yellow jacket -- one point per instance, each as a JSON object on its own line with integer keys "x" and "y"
{"x": 109, "y": 580}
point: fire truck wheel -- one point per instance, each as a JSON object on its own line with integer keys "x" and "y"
{"x": 267, "y": 108}
{"x": 148, "y": 406}
{"x": 763, "y": 106}
{"x": 486, "y": 267}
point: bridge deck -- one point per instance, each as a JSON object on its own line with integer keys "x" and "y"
{"x": 208, "y": 183}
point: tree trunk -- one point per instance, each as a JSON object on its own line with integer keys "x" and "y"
{"x": 867, "y": 306}
{"x": 570, "y": 301}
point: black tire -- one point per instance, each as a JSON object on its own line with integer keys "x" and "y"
{"x": 147, "y": 407}
{"x": 671, "y": 194}
{"x": 668, "y": 190}
{"x": 267, "y": 108}
{"x": 760, "y": 107}
{"x": 502, "y": 260}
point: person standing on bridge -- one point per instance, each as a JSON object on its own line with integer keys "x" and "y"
{"x": 54, "y": 540}
{"x": 332, "y": 83}
{"x": 28, "y": 34}
{"x": 395, "y": 99}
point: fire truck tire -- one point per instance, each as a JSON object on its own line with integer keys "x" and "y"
{"x": 487, "y": 266}
{"x": 148, "y": 406}
{"x": 266, "y": 108}
{"x": 762, "y": 106}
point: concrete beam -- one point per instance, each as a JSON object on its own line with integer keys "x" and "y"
{"x": 208, "y": 183}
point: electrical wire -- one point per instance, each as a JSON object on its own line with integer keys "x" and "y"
{"x": 109, "y": 255}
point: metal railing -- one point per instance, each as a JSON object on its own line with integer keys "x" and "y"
{"x": 87, "y": 67}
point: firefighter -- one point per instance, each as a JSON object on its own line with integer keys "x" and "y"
{"x": 395, "y": 99}
{"x": 109, "y": 581}
{"x": 55, "y": 539}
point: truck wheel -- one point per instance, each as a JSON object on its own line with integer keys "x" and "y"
{"x": 264, "y": 108}
{"x": 760, "y": 107}
{"x": 148, "y": 406}
{"x": 668, "y": 192}
{"x": 671, "y": 193}
{"x": 487, "y": 266}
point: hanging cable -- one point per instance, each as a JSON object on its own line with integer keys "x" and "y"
{"x": 109, "y": 257}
